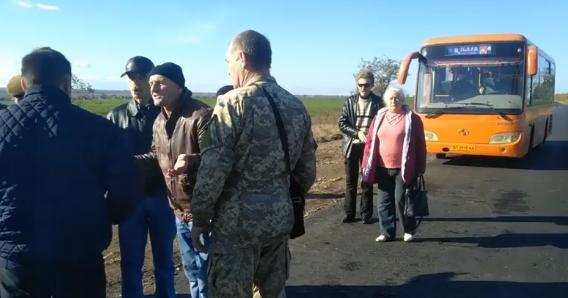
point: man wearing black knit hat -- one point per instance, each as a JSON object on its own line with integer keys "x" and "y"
{"x": 178, "y": 133}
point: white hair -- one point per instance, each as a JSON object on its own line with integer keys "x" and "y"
{"x": 394, "y": 89}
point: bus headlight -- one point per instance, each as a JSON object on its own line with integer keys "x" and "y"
{"x": 430, "y": 136}
{"x": 504, "y": 138}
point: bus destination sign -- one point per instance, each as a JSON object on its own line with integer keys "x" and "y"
{"x": 469, "y": 50}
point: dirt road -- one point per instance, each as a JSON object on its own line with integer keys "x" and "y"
{"x": 328, "y": 189}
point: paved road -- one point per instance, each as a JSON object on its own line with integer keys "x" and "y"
{"x": 498, "y": 228}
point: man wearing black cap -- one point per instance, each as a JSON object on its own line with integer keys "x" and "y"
{"x": 153, "y": 215}
{"x": 177, "y": 138}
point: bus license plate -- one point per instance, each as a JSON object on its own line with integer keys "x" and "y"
{"x": 462, "y": 148}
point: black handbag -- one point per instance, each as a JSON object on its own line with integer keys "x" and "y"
{"x": 298, "y": 199}
{"x": 416, "y": 198}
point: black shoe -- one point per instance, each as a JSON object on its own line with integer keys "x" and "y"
{"x": 367, "y": 221}
{"x": 348, "y": 219}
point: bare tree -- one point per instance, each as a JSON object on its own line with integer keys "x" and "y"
{"x": 81, "y": 86}
{"x": 384, "y": 69}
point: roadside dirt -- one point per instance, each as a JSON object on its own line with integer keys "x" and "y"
{"x": 328, "y": 189}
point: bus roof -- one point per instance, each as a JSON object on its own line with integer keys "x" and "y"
{"x": 474, "y": 38}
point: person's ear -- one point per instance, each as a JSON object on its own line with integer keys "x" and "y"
{"x": 244, "y": 60}
{"x": 67, "y": 86}
{"x": 23, "y": 84}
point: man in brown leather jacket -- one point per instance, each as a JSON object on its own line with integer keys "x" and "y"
{"x": 178, "y": 132}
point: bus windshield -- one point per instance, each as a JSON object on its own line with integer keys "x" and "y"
{"x": 461, "y": 80}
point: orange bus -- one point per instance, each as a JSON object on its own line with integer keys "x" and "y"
{"x": 489, "y": 95}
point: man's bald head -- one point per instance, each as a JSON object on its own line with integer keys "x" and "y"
{"x": 256, "y": 47}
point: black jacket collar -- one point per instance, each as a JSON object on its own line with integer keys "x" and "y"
{"x": 48, "y": 93}
{"x": 133, "y": 108}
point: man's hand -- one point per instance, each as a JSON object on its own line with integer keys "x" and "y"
{"x": 362, "y": 136}
{"x": 196, "y": 233}
{"x": 182, "y": 163}
{"x": 186, "y": 217}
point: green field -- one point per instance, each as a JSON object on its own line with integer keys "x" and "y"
{"x": 99, "y": 106}
{"x": 316, "y": 105}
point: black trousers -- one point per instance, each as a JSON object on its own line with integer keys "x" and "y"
{"x": 352, "y": 169}
{"x": 53, "y": 279}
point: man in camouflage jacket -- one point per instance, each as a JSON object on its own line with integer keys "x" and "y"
{"x": 241, "y": 194}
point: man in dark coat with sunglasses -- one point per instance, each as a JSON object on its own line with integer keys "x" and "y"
{"x": 356, "y": 115}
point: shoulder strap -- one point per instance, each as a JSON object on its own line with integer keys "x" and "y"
{"x": 281, "y": 129}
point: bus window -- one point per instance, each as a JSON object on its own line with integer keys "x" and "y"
{"x": 427, "y": 86}
{"x": 487, "y": 81}
{"x": 464, "y": 84}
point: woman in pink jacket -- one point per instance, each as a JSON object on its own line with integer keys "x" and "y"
{"x": 395, "y": 154}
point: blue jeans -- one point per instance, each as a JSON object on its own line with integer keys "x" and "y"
{"x": 154, "y": 216}
{"x": 194, "y": 262}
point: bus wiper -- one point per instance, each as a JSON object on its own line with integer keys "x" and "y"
{"x": 490, "y": 106}
{"x": 442, "y": 111}
{"x": 464, "y": 105}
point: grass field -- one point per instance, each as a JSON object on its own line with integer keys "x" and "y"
{"x": 314, "y": 104}
{"x": 561, "y": 98}
{"x": 99, "y": 106}
{"x": 324, "y": 111}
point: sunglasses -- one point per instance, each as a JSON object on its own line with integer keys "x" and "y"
{"x": 364, "y": 85}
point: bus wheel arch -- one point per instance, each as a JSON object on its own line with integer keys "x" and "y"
{"x": 531, "y": 140}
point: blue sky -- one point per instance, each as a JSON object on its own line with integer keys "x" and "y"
{"x": 317, "y": 45}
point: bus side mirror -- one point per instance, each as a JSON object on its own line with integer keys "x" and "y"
{"x": 405, "y": 64}
{"x": 532, "y": 60}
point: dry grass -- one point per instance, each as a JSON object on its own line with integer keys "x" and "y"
{"x": 561, "y": 98}
{"x": 324, "y": 127}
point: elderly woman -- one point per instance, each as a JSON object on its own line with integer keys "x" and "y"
{"x": 393, "y": 159}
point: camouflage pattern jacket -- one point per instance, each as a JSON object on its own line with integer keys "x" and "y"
{"x": 181, "y": 133}
{"x": 242, "y": 183}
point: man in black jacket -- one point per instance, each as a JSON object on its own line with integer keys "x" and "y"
{"x": 354, "y": 121}
{"x": 66, "y": 175}
{"x": 154, "y": 215}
